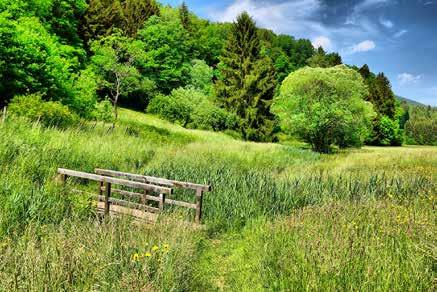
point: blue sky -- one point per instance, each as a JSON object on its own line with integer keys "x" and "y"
{"x": 397, "y": 37}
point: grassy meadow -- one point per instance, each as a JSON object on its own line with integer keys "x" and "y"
{"x": 279, "y": 217}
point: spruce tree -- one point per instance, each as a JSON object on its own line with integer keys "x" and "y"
{"x": 102, "y": 16}
{"x": 136, "y": 12}
{"x": 247, "y": 81}
{"x": 184, "y": 15}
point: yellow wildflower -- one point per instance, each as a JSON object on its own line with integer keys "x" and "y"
{"x": 147, "y": 254}
{"x": 135, "y": 257}
{"x": 155, "y": 248}
{"x": 166, "y": 247}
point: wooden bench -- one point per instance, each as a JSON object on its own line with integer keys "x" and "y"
{"x": 149, "y": 189}
{"x": 199, "y": 189}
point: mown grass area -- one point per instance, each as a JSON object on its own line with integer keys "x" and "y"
{"x": 279, "y": 218}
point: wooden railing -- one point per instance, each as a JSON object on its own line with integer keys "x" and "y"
{"x": 150, "y": 189}
{"x": 198, "y": 188}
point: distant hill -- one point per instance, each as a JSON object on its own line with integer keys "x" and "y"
{"x": 410, "y": 101}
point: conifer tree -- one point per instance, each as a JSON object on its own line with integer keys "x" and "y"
{"x": 184, "y": 15}
{"x": 136, "y": 12}
{"x": 247, "y": 81}
{"x": 103, "y": 16}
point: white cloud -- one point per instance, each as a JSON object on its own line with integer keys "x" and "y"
{"x": 322, "y": 41}
{"x": 387, "y": 23}
{"x": 400, "y": 33}
{"x": 300, "y": 18}
{"x": 407, "y": 78}
{"x": 428, "y": 3}
{"x": 364, "y": 46}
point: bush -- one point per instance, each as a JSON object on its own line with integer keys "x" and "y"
{"x": 48, "y": 113}
{"x": 386, "y": 132}
{"x": 104, "y": 111}
{"x": 191, "y": 107}
{"x": 171, "y": 108}
{"x": 208, "y": 116}
{"x": 325, "y": 107}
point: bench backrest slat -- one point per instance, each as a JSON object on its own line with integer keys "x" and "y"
{"x": 117, "y": 181}
{"x": 154, "y": 180}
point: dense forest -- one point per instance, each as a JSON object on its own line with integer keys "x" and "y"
{"x": 65, "y": 61}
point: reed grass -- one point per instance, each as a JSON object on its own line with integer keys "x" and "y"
{"x": 258, "y": 189}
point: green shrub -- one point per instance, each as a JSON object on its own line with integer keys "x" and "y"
{"x": 104, "y": 111}
{"x": 208, "y": 116}
{"x": 48, "y": 113}
{"x": 325, "y": 107}
{"x": 386, "y": 132}
{"x": 171, "y": 108}
{"x": 191, "y": 107}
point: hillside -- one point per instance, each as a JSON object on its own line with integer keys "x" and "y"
{"x": 279, "y": 217}
{"x": 409, "y": 101}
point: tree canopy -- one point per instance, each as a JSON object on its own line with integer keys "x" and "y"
{"x": 325, "y": 107}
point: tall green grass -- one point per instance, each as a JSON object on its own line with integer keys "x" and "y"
{"x": 374, "y": 246}
{"x": 250, "y": 181}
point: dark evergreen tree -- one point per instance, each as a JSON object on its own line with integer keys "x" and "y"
{"x": 365, "y": 71}
{"x": 100, "y": 18}
{"x": 136, "y": 12}
{"x": 184, "y": 15}
{"x": 323, "y": 60}
{"x": 247, "y": 81}
{"x": 385, "y": 99}
{"x": 128, "y": 15}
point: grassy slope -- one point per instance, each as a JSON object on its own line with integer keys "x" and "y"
{"x": 280, "y": 217}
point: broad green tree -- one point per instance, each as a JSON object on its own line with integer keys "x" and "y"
{"x": 325, "y": 107}
{"x": 34, "y": 61}
{"x": 114, "y": 62}
{"x": 247, "y": 81}
{"x": 166, "y": 60}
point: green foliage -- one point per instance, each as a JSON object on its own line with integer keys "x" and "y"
{"x": 103, "y": 16}
{"x": 207, "y": 116}
{"x": 103, "y": 111}
{"x": 84, "y": 99}
{"x": 386, "y": 132}
{"x": 114, "y": 61}
{"x": 323, "y": 60}
{"x": 36, "y": 61}
{"x": 247, "y": 81}
{"x": 61, "y": 17}
{"x": 47, "y": 113}
{"x": 190, "y": 107}
{"x": 172, "y": 108}
{"x": 184, "y": 15}
{"x": 421, "y": 128}
{"x": 384, "y": 102}
{"x": 201, "y": 76}
{"x": 165, "y": 59}
{"x": 325, "y": 107}
{"x": 287, "y": 54}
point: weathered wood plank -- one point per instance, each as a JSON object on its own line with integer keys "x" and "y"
{"x": 130, "y": 205}
{"x": 117, "y": 181}
{"x": 135, "y": 195}
{"x": 153, "y": 198}
{"x": 137, "y": 214}
{"x": 180, "y": 203}
{"x": 107, "y": 197}
{"x": 153, "y": 180}
{"x": 198, "y": 206}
